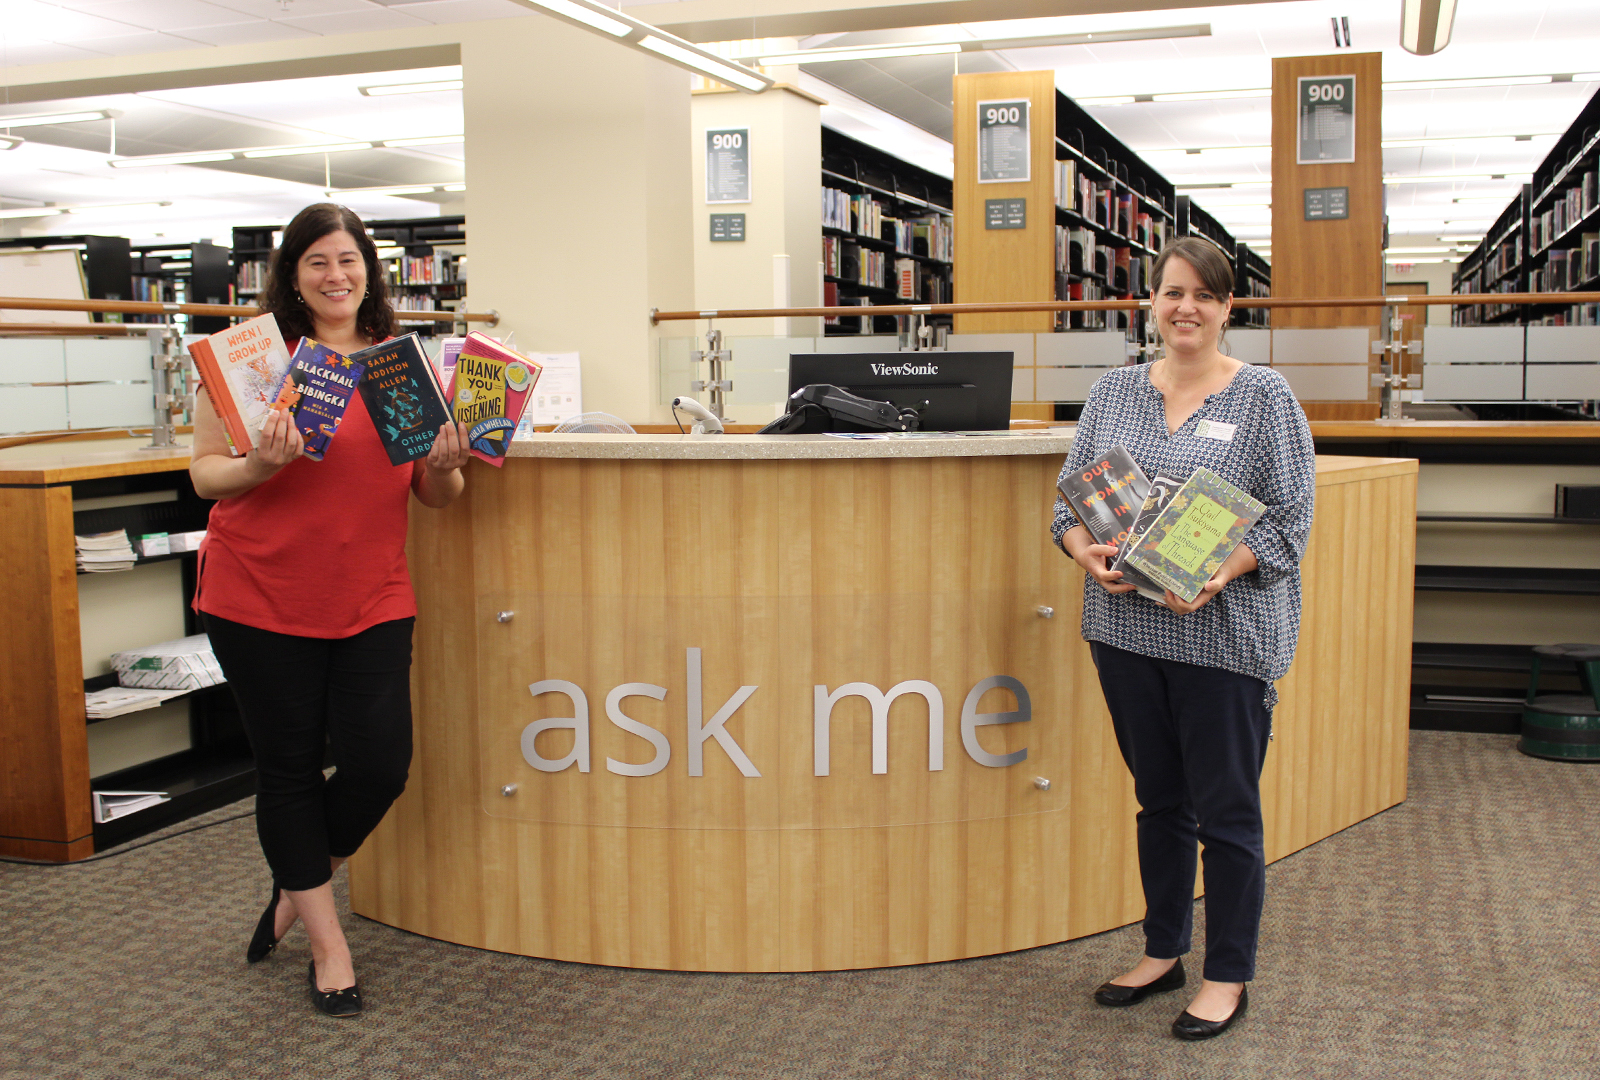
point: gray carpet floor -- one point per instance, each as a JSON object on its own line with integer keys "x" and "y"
{"x": 1454, "y": 936}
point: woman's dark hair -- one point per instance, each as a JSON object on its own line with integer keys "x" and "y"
{"x": 375, "y": 317}
{"x": 1216, "y": 273}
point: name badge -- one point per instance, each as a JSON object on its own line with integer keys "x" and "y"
{"x": 1214, "y": 429}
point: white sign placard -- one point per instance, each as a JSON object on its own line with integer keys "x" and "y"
{"x": 1003, "y": 147}
{"x": 728, "y": 165}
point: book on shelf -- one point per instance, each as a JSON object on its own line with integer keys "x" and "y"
{"x": 121, "y": 700}
{"x": 403, "y": 397}
{"x": 111, "y": 805}
{"x": 1202, "y": 524}
{"x": 449, "y": 352}
{"x": 242, "y": 370}
{"x": 316, "y": 392}
{"x": 1106, "y": 495}
{"x": 490, "y": 391}
{"x": 105, "y": 552}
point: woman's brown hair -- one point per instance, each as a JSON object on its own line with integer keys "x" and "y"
{"x": 374, "y": 319}
{"x": 1216, "y": 273}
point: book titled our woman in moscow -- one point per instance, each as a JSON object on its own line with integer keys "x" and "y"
{"x": 1106, "y": 494}
{"x": 403, "y": 397}
{"x": 317, "y": 392}
{"x": 1195, "y": 533}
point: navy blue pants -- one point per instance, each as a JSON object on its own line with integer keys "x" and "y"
{"x": 299, "y": 699}
{"x": 1195, "y": 739}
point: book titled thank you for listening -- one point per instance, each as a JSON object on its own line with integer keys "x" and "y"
{"x": 1106, "y": 494}
{"x": 489, "y": 392}
{"x": 1195, "y": 533}
{"x": 403, "y": 397}
{"x": 317, "y": 392}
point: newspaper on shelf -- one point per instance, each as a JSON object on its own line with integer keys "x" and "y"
{"x": 100, "y": 553}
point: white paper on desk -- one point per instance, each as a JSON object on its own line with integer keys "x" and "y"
{"x": 110, "y": 805}
{"x": 558, "y": 395}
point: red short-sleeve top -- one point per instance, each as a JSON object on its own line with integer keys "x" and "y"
{"x": 319, "y": 550}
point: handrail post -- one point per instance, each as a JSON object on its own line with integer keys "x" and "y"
{"x": 717, "y": 356}
{"x": 166, "y": 360}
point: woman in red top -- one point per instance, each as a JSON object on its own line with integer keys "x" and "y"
{"x": 304, "y": 592}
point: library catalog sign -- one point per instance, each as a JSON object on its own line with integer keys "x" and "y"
{"x": 1003, "y": 147}
{"x": 1326, "y": 115}
{"x": 728, "y": 165}
{"x": 770, "y": 713}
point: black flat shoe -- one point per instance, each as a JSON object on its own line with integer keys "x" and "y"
{"x": 340, "y": 1003}
{"x": 262, "y": 942}
{"x": 1193, "y": 1029}
{"x": 1116, "y": 996}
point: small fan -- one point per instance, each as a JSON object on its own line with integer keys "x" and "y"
{"x": 595, "y": 423}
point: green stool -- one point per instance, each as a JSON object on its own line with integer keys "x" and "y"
{"x": 1564, "y": 727}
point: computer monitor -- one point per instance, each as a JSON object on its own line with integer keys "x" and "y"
{"x": 955, "y": 391}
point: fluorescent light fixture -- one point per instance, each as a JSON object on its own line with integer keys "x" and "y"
{"x": 1425, "y": 25}
{"x": 1220, "y": 185}
{"x": 40, "y": 119}
{"x": 51, "y": 211}
{"x": 430, "y": 140}
{"x": 389, "y": 89}
{"x": 954, "y": 45}
{"x": 601, "y": 20}
{"x": 9, "y": 142}
{"x": 1417, "y": 250}
{"x": 171, "y": 159}
{"x": 860, "y": 52}
{"x": 1498, "y": 200}
{"x": 1470, "y": 84}
{"x": 1392, "y": 144}
{"x": 1465, "y": 238}
{"x": 294, "y": 151}
{"x": 1458, "y": 178}
{"x": 1189, "y": 95}
{"x": 1587, "y": 76}
{"x": 722, "y": 70}
{"x": 392, "y": 189}
{"x": 453, "y": 187}
{"x": 592, "y": 15}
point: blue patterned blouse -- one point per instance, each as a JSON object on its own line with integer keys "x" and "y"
{"x": 1252, "y": 625}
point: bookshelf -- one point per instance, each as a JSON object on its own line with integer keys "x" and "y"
{"x": 424, "y": 262}
{"x": 1546, "y": 240}
{"x": 182, "y": 274}
{"x": 1112, "y": 214}
{"x": 887, "y": 234}
{"x": 1252, "y": 280}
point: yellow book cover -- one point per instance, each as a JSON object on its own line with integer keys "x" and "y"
{"x": 480, "y": 387}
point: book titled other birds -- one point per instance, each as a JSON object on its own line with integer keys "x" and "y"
{"x": 403, "y": 397}
{"x": 1195, "y": 533}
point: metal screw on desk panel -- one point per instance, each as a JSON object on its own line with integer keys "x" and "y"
{"x": 511, "y": 789}
{"x": 505, "y": 616}
{"x": 1042, "y": 783}
{"x": 1045, "y": 612}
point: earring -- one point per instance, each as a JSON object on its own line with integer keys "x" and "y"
{"x": 299, "y": 299}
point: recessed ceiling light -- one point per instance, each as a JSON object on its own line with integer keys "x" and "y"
{"x": 392, "y": 189}
{"x": 389, "y": 89}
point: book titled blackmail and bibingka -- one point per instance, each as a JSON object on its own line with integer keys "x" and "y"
{"x": 1201, "y": 525}
{"x": 401, "y": 389}
{"x": 317, "y": 391}
{"x": 1106, "y": 494}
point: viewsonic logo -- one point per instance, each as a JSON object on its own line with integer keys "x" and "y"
{"x": 904, "y": 369}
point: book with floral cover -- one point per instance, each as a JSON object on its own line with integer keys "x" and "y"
{"x": 1201, "y": 525}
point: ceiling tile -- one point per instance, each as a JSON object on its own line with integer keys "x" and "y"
{"x": 461, "y": 11}
{"x": 167, "y": 15}
{"x": 355, "y": 22}
{"x": 292, "y": 9}
{"x": 246, "y": 33}
{"x": 19, "y": 53}
{"x": 137, "y": 43}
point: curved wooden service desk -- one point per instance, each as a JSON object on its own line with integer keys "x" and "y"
{"x": 686, "y": 608}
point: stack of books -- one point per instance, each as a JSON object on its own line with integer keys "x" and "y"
{"x": 185, "y": 664}
{"x": 118, "y": 700}
{"x": 104, "y": 552}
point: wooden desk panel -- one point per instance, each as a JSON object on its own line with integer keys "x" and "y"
{"x": 844, "y": 890}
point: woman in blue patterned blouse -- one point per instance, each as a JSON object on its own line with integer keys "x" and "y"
{"x": 1190, "y": 685}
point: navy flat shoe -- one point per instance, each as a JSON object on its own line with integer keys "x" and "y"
{"x": 1116, "y": 996}
{"x": 336, "y": 1003}
{"x": 1193, "y": 1029}
{"x": 262, "y": 942}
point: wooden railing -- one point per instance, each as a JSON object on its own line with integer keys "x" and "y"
{"x": 1454, "y": 299}
{"x": 146, "y": 307}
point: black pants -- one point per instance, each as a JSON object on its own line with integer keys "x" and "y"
{"x": 300, "y": 697}
{"x": 1195, "y": 739}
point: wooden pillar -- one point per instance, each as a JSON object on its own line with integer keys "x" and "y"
{"x": 1329, "y": 257}
{"x": 1005, "y": 264}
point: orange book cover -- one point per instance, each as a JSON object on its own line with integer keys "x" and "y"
{"x": 242, "y": 369}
